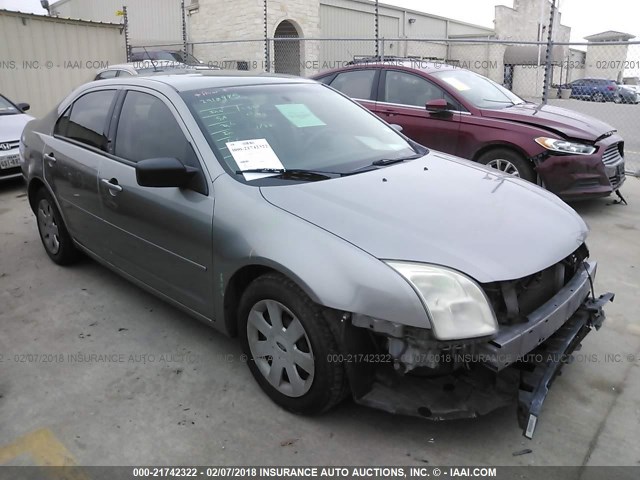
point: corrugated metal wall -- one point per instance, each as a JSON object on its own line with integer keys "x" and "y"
{"x": 344, "y": 22}
{"x": 42, "y": 59}
{"x": 150, "y": 21}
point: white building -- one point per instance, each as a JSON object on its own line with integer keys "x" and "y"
{"x": 607, "y": 61}
{"x": 306, "y": 34}
{"x": 151, "y": 22}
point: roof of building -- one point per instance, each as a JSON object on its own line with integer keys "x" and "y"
{"x": 17, "y": 13}
{"x": 609, "y": 35}
{"x": 422, "y": 12}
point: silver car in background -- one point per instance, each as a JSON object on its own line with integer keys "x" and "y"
{"x": 347, "y": 258}
{"x": 147, "y": 67}
{"x": 12, "y": 122}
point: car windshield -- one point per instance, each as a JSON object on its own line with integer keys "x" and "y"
{"x": 7, "y": 108}
{"x": 293, "y": 127}
{"x": 479, "y": 90}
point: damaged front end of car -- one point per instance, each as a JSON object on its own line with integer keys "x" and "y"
{"x": 541, "y": 320}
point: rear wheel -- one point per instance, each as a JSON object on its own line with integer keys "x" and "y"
{"x": 291, "y": 351}
{"x": 597, "y": 97}
{"x": 54, "y": 235}
{"x": 510, "y": 162}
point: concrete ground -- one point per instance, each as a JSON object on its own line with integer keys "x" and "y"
{"x": 162, "y": 388}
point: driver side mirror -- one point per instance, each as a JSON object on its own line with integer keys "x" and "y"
{"x": 164, "y": 172}
{"x": 23, "y": 106}
{"x": 437, "y": 106}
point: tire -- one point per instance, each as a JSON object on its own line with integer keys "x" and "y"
{"x": 506, "y": 160}
{"x": 322, "y": 383}
{"x": 598, "y": 97}
{"x": 53, "y": 233}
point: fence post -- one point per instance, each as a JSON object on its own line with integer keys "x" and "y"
{"x": 184, "y": 29}
{"x": 377, "y": 28}
{"x": 267, "y": 56}
{"x": 548, "y": 58}
{"x": 127, "y": 45}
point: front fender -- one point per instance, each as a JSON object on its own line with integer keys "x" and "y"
{"x": 247, "y": 230}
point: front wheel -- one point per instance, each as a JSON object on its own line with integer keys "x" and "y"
{"x": 510, "y": 162}
{"x": 291, "y": 350}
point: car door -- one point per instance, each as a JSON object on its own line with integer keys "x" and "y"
{"x": 577, "y": 88}
{"x": 402, "y": 101}
{"x": 590, "y": 87}
{"x": 72, "y": 156}
{"x": 358, "y": 84}
{"x": 160, "y": 236}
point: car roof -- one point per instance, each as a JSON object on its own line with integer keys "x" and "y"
{"x": 146, "y": 63}
{"x": 208, "y": 79}
{"x": 426, "y": 66}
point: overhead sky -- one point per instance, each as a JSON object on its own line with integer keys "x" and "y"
{"x": 585, "y": 17}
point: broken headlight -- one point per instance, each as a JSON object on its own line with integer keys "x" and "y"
{"x": 564, "y": 146}
{"x": 457, "y": 306}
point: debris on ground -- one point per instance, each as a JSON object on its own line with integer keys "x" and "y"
{"x": 522, "y": 452}
{"x": 286, "y": 443}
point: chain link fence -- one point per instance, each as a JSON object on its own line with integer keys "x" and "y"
{"x": 599, "y": 79}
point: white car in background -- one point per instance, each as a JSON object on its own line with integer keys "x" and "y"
{"x": 148, "y": 67}
{"x": 12, "y": 122}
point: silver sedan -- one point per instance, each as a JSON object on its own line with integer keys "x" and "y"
{"x": 347, "y": 258}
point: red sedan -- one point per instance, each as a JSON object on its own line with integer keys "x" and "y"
{"x": 456, "y": 111}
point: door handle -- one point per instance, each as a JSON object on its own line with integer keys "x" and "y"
{"x": 112, "y": 185}
{"x": 50, "y": 158}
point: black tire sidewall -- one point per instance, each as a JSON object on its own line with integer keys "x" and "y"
{"x": 67, "y": 253}
{"x": 525, "y": 168}
{"x": 328, "y": 375}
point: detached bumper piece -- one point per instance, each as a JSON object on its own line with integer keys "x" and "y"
{"x": 468, "y": 394}
{"x": 542, "y": 365}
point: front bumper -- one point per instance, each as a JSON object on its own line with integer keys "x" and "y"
{"x": 514, "y": 341}
{"x": 574, "y": 177}
{"x": 543, "y": 365}
{"x": 10, "y": 162}
{"x": 519, "y": 363}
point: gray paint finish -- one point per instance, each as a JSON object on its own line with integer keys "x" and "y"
{"x": 329, "y": 236}
{"x": 445, "y": 211}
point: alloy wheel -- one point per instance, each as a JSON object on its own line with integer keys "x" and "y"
{"x": 504, "y": 166}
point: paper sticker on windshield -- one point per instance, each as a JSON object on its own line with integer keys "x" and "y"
{"x": 254, "y": 154}
{"x": 375, "y": 144}
{"x": 457, "y": 84}
{"x": 300, "y": 115}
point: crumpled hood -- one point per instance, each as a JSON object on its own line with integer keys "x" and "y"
{"x": 441, "y": 210}
{"x": 11, "y": 126}
{"x": 568, "y": 122}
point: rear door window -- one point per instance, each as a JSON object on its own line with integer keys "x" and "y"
{"x": 106, "y": 74}
{"x": 356, "y": 83}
